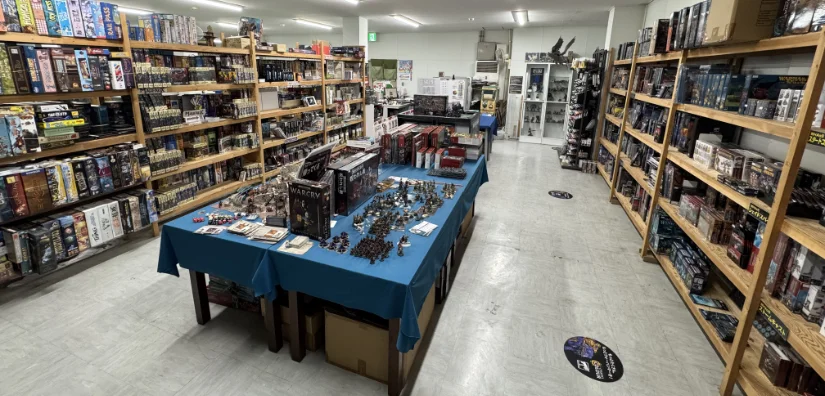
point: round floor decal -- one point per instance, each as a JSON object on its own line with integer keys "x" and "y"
{"x": 560, "y": 194}
{"x": 593, "y": 359}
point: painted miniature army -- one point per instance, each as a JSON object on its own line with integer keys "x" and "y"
{"x": 372, "y": 248}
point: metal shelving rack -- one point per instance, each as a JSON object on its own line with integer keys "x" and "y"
{"x": 254, "y": 155}
{"x": 741, "y": 357}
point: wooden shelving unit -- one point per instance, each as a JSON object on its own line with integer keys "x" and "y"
{"x": 742, "y": 355}
{"x": 206, "y": 87}
{"x": 75, "y": 148}
{"x": 613, "y": 120}
{"x": 125, "y": 46}
{"x": 644, "y": 138}
{"x": 610, "y": 146}
{"x": 286, "y": 112}
{"x": 607, "y": 178}
{"x": 652, "y": 100}
{"x": 200, "y": 127}
{"x": 636, "y": 173}
{"x": 618, "y": 91}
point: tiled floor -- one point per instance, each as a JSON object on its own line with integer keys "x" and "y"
{"x": 536, "y": 271}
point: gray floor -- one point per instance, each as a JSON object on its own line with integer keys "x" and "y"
{"x": 537, "y": 271}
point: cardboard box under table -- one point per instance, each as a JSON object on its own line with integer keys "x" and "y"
{"x": 396, "y": 289}
{"x": 362, "y": 346}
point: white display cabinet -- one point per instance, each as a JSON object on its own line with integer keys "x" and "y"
{"x": 546, "y": 91}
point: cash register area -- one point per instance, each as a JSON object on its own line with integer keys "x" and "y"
{"x": 534, "y": 272}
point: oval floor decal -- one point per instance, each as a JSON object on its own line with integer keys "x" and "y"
{"x": 560, "y": 194}
{"x": 593, "y": 359}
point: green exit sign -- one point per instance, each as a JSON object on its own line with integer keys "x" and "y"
{"x": 372, "y": 36}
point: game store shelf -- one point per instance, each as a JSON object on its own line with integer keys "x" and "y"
{"x": 203, "y": 126}
{"x": 770, "y": 127}
{"x": 743, "y": 354}
{"x": 644, "y": 138}
{"x": 74, "y": 148}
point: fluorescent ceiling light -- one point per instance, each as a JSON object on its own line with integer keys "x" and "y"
{"x": 353, "y": 2}
{"x": 227, "y": 24}
{"x": 220, "y": 4}
{"x": 313, "y": 24}
{"x": 520, "y": 17}
{"x": 408, "y": 21}
{"x": 133, "y": 11}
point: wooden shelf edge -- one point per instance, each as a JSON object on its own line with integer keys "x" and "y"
{"x": 187, "y": 47}
{"x": 776, "y": 128}
{"x": 804, "y": 336}
{"x": 610, "y": 146}
{"x": 38, "y": 39}
{"x": 666, "y": 57}
{"x": 613, "y": 120}
{"x": 722, "y": 348}
{"x": 622, "y": 62}
{"x": 61, "y": 96}
{"x": 335, "y": 81}
{"x": 635, "y": 217}
{"x": 751, "y": 378}
{"x": 740, "y": 278}
{"x": 206, "y": 87}
{"x": 285, "y": 84}
{"x": 666, "y": 103}
{"x": 618, "y": 91}
{"x": 345, "y": 124}
{"x": 636, "y": 173}
{"x": 807, "y": 232}
{"x": 298, "y": 55}
{"x": 286, "y": 112}
{"x": 207, "y": 196}
{"x": 75, "y": 148}
{"x": 209, "y": 160}
{"x": 767, "y": 45}
{"x": 708, "y": 176}
{"x": 272, "y": 173}
{"x": 604, "y": 174}
{"x": 199, "y": 127}
{"x": 301, "y": 136}
{"x": 646, "y": 139}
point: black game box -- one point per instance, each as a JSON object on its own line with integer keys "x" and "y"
{"x": 355, "y": 183}
{"x": 309, "y": 209}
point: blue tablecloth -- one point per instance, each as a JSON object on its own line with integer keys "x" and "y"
{"x": 227, "y": 255}
{"x": 398, "y": 286}
{"x": 490, "y": 123}
{"x": 394, "y": 288}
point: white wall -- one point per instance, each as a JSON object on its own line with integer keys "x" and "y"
{"x": 453, "y": 53}
{"x": 795, "y": 64}
{"x": 588, "y": 38}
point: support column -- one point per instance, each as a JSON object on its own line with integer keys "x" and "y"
{"x": 623, "y": 25}
{"x": 355, "y": 32}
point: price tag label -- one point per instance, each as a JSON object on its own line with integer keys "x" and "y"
{"x": 774, "y": 322}
{"x": 759, "y": 213}
{"x": 817, "y": 138}
{"x": 293, "y": 84}
{"x": 291, "y": 139}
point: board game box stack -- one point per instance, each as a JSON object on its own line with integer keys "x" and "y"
{"x": 160, "y": 68}
{"x": 63, "y": 18}
{"x": 50, "y": 184}
{"x": 38, "y": 246}
{"x": 165, "y": 28}
{"x": 777, "y": 97}
{"x": 26, "y": 69}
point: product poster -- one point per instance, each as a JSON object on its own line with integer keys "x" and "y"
{"x": 593, "y": 359}
{"x": 405, "y": 68}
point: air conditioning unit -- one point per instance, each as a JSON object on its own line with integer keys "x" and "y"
{"x": 486, "y": 71}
